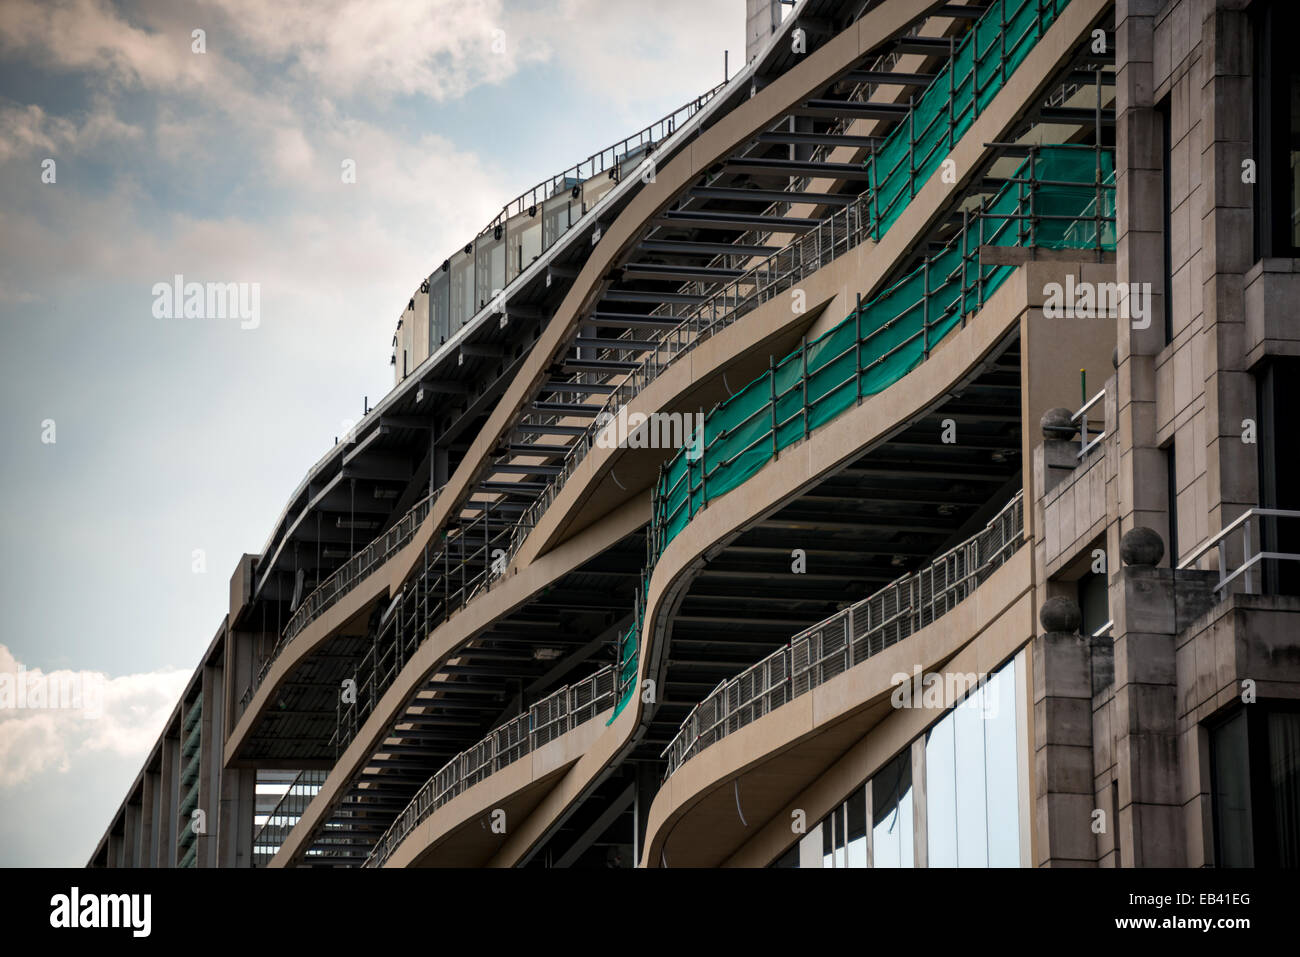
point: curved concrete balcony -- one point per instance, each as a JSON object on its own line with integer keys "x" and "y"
{"x": 566, "y": 517}
{"x": 731, "y": 803}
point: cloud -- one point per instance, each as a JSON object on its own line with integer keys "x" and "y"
{"x": 97, "y": 714}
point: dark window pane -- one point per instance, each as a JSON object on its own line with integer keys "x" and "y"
{"x": 1284, "y": 776}
{"x": 1229, "y": 750}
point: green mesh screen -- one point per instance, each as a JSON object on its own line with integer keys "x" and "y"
{"x": 891, "y": 334}
{"x": 986, "y": 56}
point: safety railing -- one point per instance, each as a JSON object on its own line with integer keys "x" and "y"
{"x": 850, "y": 637}
{"x": 977, "y": 69}
{"x": 545, "y": 721}
{"x": 611, "y": 157}
{"x": 1055, "y": 190}
{"x": 1089, "y": 438}
{"x": 341, "y": 582}
{"x": 285, "y": 815}
{"x": 450, "y": 573}
{"x": 1251, "y": 528}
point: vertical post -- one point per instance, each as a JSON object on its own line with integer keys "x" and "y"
{"x": 952, "y": 91}
{"x": 1083, "y": 424}
{"x": 771, "y": 378}
{"x": 704, "y": 468}
{"x": 1033, "y": 188}
{"x": 911, "y": 146}
{"x": 803, "y": 356}
{"x": 1002, "y": 39}
{"x": 875, "y": 197}
{"x": 857, "y": 348}
{"x": 925, "y": 309}
{"x": 1096, "y": 139}
{"x": 979, "y": 267}
{"x": 1245, "y": 555}
{"x": 965, "y": 254}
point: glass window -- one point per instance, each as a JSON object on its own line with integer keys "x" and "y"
{"x": 1255, "y": 767}
{"x": 439, "y": 309}
{"x": 856, "y": 809}
{"x": 891, "y": 812}
{"x": 490, "y": 267}
{"x": 1230, "y": 754}
{"x": 1277, "y": 96}
{"x": 972, "y": 813}
{"x": 556, "y": 217}
{"x": 462, "y": 289}
{"x": 1001, "y": 767}
{"x": 972, "y": 779}
{"x": 1284, "y": 778}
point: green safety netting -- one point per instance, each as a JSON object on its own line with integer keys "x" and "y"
{"x": 1059, "y": 197}
{"x": 810, "y": 387}
{"x": 628, "y": 645}
{"x": 892, "y": 333}
{"x": 977, "y": 71}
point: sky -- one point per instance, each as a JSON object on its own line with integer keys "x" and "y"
{"x": 144, "y": 452}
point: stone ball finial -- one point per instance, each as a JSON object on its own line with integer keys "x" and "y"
{"x": 1058, "y": 424}
{"x": 1060, "y": 615}
{"x": 1141, "y": 546}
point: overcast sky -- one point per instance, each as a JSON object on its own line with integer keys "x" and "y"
{"x": 133, "y": 442}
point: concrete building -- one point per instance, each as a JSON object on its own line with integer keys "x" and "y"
{"x": 880, "y": 461}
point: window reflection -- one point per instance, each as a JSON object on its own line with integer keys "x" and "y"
{"x": 972, "y": 779}
{"x": 972, "y": 793}
{"x": 891, "y": 805}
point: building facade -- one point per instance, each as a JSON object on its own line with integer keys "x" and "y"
{"x": 881, "y": 461}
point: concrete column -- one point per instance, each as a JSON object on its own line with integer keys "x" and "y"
{"x": 920, "y": 831}
{"x": 1063, "y": 799}
{"x": 168, "y": 803}
{"x": 149, "y": 819}
{"x": 234, "y": 825}
{"x": 762, "y": 17}
{"x": 209, "y": 763}
{"x": 1155, "y": 605}
{"x": 131, "y": 836}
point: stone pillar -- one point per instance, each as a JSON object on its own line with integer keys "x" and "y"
{"x": 1063, "y": 802}
{"x": 1155, "y": 605}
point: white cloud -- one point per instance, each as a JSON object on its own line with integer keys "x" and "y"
{"x": 121, "y": 716}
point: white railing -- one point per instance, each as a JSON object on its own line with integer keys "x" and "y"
{"x": 1080, "y": 418}
{"x": 1250, "y": 525}
{"x": 849, "y": 637}
{"x": 545, "y": 721}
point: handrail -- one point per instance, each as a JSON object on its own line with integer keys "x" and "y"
{"x": 1250, "y": 557}
{"x": 291, "y": 805}
{"x": 849, "y": 637}
{"x": 557, "y": 713}
{"x": 1086, "y": 445}
{"x": 345, "y": 578}
{"x": 861, "y": 220}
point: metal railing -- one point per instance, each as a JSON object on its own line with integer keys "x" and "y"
{"x": 1087, "y": 441}
{"x": 285, "y": 815}
{"x": 1252, "y": 527}
{"x": 341, "y": 582}
{"x": 451, "y": 572}
{"x": 850, "y": 637}
{"x": 611, "y": 157}
{"x": 542, "y": 723}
